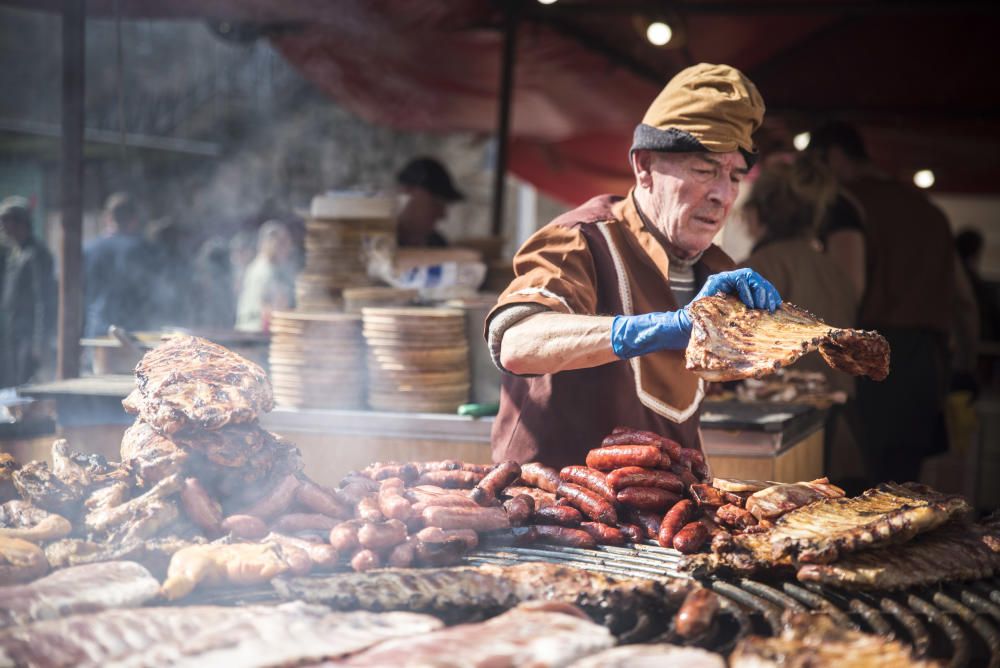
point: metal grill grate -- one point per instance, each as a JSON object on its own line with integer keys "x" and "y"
{"x": 957, "y": 623}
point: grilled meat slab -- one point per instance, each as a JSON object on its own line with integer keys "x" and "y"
{"x": 730, "y": 341}
{"x": 737, "y": 554}
{"x": 953, "y": 552}
{"x": 817, "y": 640}
{"x": 534, "y": 634}
{"x": 189, "y": 381}
{"x": 20, "y": 519}
{"x": 150, "y": 456}
{"x": 154, "y": 554}
{"x": 651, "y": 656}
{"x": 825, "y": 530}
{"x": 285, "y": 635}
{"x": 82, "y": 589}
{"x": 773, "y": 502}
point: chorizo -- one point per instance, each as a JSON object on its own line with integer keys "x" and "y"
{"x": 380, "y": 471}
{"x": 672, "y": 522}
{"x": 690, "y": 539}
{"x": 365, "y": 560}
{"x": 633, "y": 533}
{"x": 204, "y": 511}
{"x": 292, "y": 522}
{"x": 354, "y": 491}
{"x": 313, "y": 497}
{"x": 696, "y": 614}
{"x": 437, "y": 535}
{"x": 619, "y": 456}
{"x": 589, "y": 503}
{"x": 696, "y": 460}
{"x": 446, "y": 553}
{"x": 566, "y": 516}
{"x": 647, "y": 498}
{"x": 402, "y": 555}
{"x": 684, "y": 473}
{"x": 245, "y": 526}
{"x": 381, "y": 536}
{"x": 540, "y": 497}
{"x": 603, "y": 534}
{"x": 648, "y": 520}
{"x": 636, "y": 476}
{"x": 451, "y": 479}
{"x": 519, "y": 509}
{"x": 565, "y": 536}
{"x": 443, "y": 501}
{"x": 540, "y": 476}
{"x": 344, "y": 536}
{"x": 451, "y": 465}
{"x": 478, "y": 519}
{"x": 368, "y": 509}
{"x": 636, "y": 437}
{"x": 588, "y": 478}
{"x": 486, "y": 490}
{"x": 275, "y": 501}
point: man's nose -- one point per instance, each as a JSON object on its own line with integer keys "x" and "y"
{"x": 723, "y": 190}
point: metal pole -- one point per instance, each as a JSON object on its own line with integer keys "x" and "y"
{"x": 71, "y": 256}
{"x": 503, "y": 120}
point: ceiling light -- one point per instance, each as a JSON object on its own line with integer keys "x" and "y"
{"x": 801, "y": 141}
{"x": 546, "y": 2}
{"x": 924, "y": 178}
{"x": 659, "y": 33}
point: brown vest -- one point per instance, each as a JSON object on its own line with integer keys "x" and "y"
{"x": 598, "y": 259}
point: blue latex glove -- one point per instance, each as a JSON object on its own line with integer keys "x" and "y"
{"x": 634, "y": 335}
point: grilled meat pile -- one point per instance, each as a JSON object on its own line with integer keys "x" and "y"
{"x": 730, "y": 341}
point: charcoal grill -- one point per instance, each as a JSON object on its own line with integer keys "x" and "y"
{"x": 956, "y": 623}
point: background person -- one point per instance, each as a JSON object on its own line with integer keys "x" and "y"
{"x": 269, "y": 282}
{"x": 428, "y": 191}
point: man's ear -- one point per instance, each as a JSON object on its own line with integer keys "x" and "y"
{"x": 641, "y": 161}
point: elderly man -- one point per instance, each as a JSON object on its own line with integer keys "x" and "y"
{"x": 593, "y": 328}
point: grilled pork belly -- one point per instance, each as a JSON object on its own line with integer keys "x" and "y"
{"x": 730, "y": 341}
{"x": 189, "y": 381}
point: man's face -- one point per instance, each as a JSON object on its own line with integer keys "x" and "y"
{"x": 692, "y": 194}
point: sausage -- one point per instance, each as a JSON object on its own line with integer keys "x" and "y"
{"x": 244, "y": 526}
{"x": 478, "y": 519}
{"x": 540, "y": 476}
{"x": 381, "y": 535}
{"x": 447, "y": 553}
{"x": 690, "y": 539}
{"x": 369, "y": 510}
{"x": 437, "y": 535}
{"x": 313, "y": 497}
{"x": 519, "y": 509}
{"x": 539, "y": 496}
{"x": 589, "y": 503}
{"x": 619, "y": 456}
{"x": 696, "y": 460}
{"x": 451, "y": 465}
{"x": 633, "y": 533}
{"x": 344, "y": 536}
{"x": 402, "y": 555}
{"x": 292, "y": 522}
{"x": 486, "y": 490}
{"x": 588, "y": 478}
{"x": 648, "y": 520}
{"x": 204, "y": 511}
{"x": 566, "y": 516}
{"x": 391, "y": 501}
{"x": 672, "y": 522}
{"x": 734, "y": 516}
{"x": 380, "y": 471}
{"x": 364, "y": 560}
{"x": 444, "y": 501}
{"x": 297, "y": 559}
{"x": 684, "y": 473}
{"x": 636, "y": 476}
{"x": 648, "y": 498}
{"x": 565, "y": 536}
{"x": 603, "y": 534}
{"x": 322, "y": 555}
{"x": 354, "y": 491}
{"x": 696, "y": 614}
{"x": 276, "y": 501}
{"x": 636, "y": 437}
{"x": 450, "y": 479}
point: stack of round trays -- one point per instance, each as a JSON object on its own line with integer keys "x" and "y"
{"x": 418, "y": 359}
{"x": 356, "y": 299}
{"x": 317, "y": 360}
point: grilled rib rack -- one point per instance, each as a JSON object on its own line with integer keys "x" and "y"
{"x": 957, "y": 623}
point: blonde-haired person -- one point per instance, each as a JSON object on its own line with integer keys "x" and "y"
{"x": 269, "y": 281}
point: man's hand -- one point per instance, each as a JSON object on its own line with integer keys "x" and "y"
{"x": 634, "y": 335}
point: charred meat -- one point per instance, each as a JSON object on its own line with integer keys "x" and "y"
{"x": 773, "y": 502}
{"x": 20, "y": 519}
{"x": 150, "y": 456}
{"x": 20, "y": 561}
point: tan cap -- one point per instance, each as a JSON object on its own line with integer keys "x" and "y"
{"x": 703, "y": 108}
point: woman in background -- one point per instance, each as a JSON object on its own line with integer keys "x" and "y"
{"x": 269, "y": 282}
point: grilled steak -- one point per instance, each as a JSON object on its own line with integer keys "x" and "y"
{"x": 20, "y": 561}
{"x": 817, "y": 640}
{"x": 83, "y": 589}
{"x": 953, "y": 552}
{"x": 730, "y": 341}
{"x": 20, "y": 519}
{"x": 283, "y": 635}
{"x": 775, "y": 501}
{"x": 150, "y": 456}
{"x": 823, "y": 531}
{"x": 651, "y": 656}
{"x": 188, "y": 381}
{"x": 534, "y": 634}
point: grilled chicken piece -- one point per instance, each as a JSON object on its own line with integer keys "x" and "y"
{"x": 20, "y": 519}
{"x": 138, "y": 518}
{"x": 255, "y": 635}
{"x": 825, "y": 530}
{"x": 20, "y": 561}
{"x": 730, "y": 341}
{"x": 189, "y": 381}
{"x": 775, "y": 501}
{"x": 217, "y": 564}
{"x": 150, "y": 456}
{"x": 82, "y": 589}
{"x": 818, "y": 640}
{"x": 533, "y": 634}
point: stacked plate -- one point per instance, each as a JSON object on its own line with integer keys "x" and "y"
{"x": 356, "y": 299}
{"x": 418, "y": 359}
{"x": 317, "y": 360}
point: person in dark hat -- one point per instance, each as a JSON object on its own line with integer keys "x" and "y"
{"x": 428, "y": 190}
{"x": 591, "y": 333}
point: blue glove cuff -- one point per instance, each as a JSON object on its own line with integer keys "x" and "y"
{"x": 634, "y": 335}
